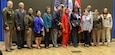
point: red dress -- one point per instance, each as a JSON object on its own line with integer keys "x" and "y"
{"x": 65, "y": 29}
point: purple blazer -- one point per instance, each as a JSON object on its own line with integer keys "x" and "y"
{"x": 38, "y": 24}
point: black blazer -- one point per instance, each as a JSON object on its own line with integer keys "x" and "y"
{"x": 19, "y": 18}
{"x": 73, "y": 17}
{"x": 56, "y": 19}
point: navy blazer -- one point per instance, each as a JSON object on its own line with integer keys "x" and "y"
{"x": 74, "y": 17}
{"x": 56, "y": 19}
{"x": 38, "y": 24}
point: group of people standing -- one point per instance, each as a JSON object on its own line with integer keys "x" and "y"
{"x": 49, "y": 25}
{"x": 97, "y": 26}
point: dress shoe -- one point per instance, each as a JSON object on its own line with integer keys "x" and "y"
{"x": 56, "y": 46}
{"x": 8, "y": 50}
{"x": 47, "y": 47}
{"x": 19, "y": 48}
{"x": 75, "y": 46}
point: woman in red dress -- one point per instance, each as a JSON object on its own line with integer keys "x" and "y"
{"x": 65, "y": 27}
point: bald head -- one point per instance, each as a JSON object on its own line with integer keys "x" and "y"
{"x": 10, "y": 4}
{"x": 21, "y": 5}
{"x": 89, "y": 6}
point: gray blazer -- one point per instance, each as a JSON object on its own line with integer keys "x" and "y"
{"x": 87, "y": 23}
{"x": 19, "y": 18}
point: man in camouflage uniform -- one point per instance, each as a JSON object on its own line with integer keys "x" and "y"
{"x": 8, "y": 17}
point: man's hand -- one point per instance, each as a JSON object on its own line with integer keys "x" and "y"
{"x": 60, "y": 23}
{"x": 18, "y": 28}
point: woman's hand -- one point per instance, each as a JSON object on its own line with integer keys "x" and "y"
{"x": 47, "y": 30}
{"x": 28, "y": 32}
{"x": 89, "y": 30}
{"x": 38, "y": 32}
{"x": 73, "y": 25}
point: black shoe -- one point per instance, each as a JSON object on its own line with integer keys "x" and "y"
{"x": 85, "y": 45}
{"x": 95, "y": 45}
{"x": 47, "y": 47}
{"x": 53, "y": 45}
{"x": 22, "y": 47}
{"x": 8, "y": 50}
{"x": 32, "y": 46}
{"x": 90, "y": 44}
{"x": 75, "y": 46}
{"x": 19, "y": 48}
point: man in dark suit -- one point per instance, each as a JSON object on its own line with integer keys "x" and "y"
{"x": 8, "y": 17}
{"x": 56, "y": 23}
{"x": 19, "y": 24}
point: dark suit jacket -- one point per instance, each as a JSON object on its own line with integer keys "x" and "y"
{"x": 73, "y": 17}
{"x": 56, "y": 19}
{"x": 19, "y": 18}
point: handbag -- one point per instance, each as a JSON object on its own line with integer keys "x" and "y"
{"x": 76, "y": 22}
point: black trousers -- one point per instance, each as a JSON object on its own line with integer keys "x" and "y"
{"x": 47, "y": 38}
{"x": 20, "y": 38}
{"x": 87, "y": 37}
{"x": 1, "y": 52}
{"x": 81, "y": 37}
{"x": 75, "y": 36}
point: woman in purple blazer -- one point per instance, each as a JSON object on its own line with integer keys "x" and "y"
{"x": 38, "y": 28}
